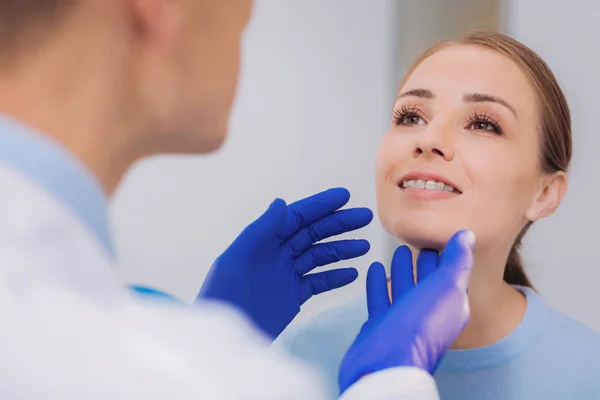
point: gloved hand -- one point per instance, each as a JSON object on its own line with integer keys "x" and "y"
{"x": 422, "y": 321}
{"x": 265, "y": 271}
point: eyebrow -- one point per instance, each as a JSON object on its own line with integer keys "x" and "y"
{"x": 423, "y": 93}
{"x": 467, "y": 98}
{"x": 483, "y": 98}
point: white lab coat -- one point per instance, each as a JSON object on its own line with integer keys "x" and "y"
{"x": 71, "y": 330}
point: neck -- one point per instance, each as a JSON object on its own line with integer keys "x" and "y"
{"x": 75, "y": 97}
{"x": 496, "y": 307}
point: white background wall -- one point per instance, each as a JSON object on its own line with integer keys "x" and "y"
{"x": 316, "y": 89}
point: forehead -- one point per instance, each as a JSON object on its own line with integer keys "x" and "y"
{"x": 460, "y": 69}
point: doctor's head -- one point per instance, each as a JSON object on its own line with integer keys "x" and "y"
{"x": 480, "y": 139}
{"x": 174, "y": 62}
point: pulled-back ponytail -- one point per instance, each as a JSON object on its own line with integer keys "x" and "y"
{"x": 514, "y": 272}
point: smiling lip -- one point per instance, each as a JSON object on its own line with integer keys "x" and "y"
{"x": 428, "y": 193}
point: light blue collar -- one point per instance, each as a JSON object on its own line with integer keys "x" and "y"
{"x": 59, "y": 173}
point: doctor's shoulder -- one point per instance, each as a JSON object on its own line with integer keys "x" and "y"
{"x": 221, "y": 344}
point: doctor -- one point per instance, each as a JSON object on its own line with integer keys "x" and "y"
{"x": 87, "y": 87}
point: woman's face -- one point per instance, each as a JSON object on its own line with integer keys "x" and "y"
{"x": 462, "y": 151}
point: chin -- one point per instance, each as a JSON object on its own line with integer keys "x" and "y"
{"x": 208, "y": 134}
{"x": 198, "y": 137}
{"x": 213, "y": 143}
{"x": 189, "y": 144}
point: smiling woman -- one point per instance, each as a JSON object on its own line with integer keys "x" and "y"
{"x": 480, "y": 139}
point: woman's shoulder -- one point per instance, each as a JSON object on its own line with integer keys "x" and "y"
{"x": 573, "y": 334}
{"x": 554, "y": 324}
{"x": 569, "y": 351}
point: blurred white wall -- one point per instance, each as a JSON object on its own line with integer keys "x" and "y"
{"x": 314, "y": 100}
{"x": 561, "y": 251}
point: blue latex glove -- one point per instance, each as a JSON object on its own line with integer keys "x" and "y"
{"x": 265, "y": 271}
{"x": 422, "y": 321}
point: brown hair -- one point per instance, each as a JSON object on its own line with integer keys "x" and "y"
{"x": 19, "y": 18}
{"x": 555, "y": 118}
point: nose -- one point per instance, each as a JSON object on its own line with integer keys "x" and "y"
{"x": 434, "y": 143}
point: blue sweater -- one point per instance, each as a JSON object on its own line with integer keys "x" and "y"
{"x": 549, "y": 356}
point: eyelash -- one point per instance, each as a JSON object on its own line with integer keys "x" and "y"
{"x": 411, "y": 111}
{"x": 488, "y": 120}
{"x": 404, "y": 112}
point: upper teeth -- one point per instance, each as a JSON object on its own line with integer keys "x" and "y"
{"x": 430, "y": 185}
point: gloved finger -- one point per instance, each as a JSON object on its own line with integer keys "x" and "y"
{"x": 325, "y": 281}
{"x": 402, "y": 272}
{"x": 457, "y": 257}
{"x": 335, "y": 224}
{"x": 264, "y": 228}
{"x": 304, "y": 212}
{"x": 427, "y": 262}
{"x": 378, "y": 298}
{"x": 327, "y": 253}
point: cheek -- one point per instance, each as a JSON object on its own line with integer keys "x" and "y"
{"x": 382, "y": 164}
{"x": 503, "y": 188}
{"x": 208, "y": 86}
{"x": 392, "y": 156}
{"x": 503, "y": 176}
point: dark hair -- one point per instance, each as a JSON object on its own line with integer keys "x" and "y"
{"x": 22, "y": 18}
{"x": 555, "y": 118}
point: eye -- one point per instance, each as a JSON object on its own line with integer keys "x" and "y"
{"x": 484, "y": 122}
{"x": 408, "y": 116}
{"x": 483, "y": 126}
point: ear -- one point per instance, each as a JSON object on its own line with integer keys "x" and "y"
{"x": 159, "y": 21}
{"x": 553, "y": 189}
